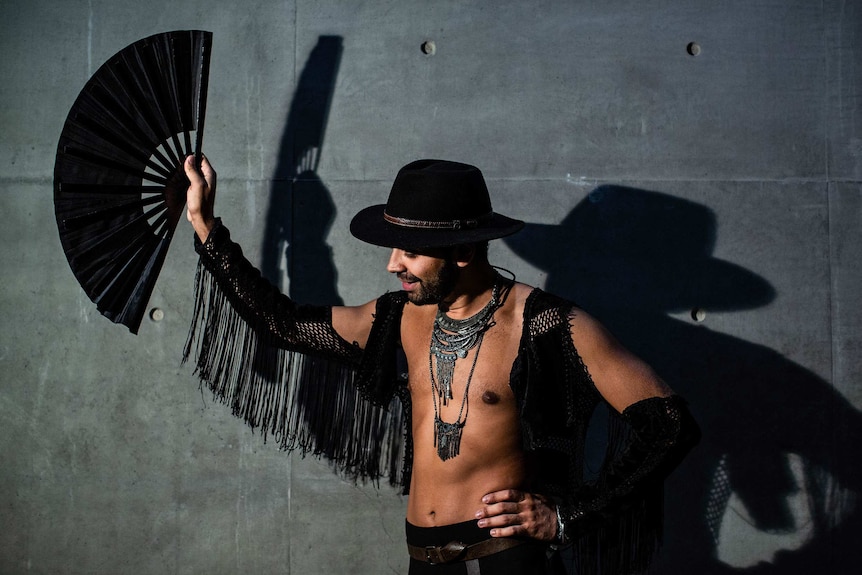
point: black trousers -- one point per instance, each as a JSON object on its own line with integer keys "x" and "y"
{"x": 530, "y": 558}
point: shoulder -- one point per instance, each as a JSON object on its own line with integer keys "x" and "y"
{"x": 354, "y": 323}
{"x": 620, "y": 377}
{"x": 547, "y": 310}
{"x": 544, "y": 311}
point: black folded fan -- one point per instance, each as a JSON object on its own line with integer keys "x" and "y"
{"x": 119, "y": 183}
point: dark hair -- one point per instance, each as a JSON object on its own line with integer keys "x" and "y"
{"x": 480, "y": 250}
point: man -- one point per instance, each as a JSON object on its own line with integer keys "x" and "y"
{"x": 501, "y": 382}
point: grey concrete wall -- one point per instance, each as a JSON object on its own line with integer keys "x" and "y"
{"x": 655, "y": 182}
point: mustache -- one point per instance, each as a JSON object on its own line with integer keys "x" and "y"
{"x": 407, "y": 277}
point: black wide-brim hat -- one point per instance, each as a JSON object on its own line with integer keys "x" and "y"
{"x": 434, "y": 203}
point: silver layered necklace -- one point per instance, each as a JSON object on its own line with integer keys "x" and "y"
{"x": 452, "y": 339}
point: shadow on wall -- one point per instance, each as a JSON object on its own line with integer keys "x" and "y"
{"x": 301, "y": 210}
{"x": 775, "y": 433}
{"x": 772, "y": 430}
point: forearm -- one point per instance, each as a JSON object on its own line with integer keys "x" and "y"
{"x": 202, "y": 228}
{"x": 662, "y": 433}
{"x": 262, "y": 306}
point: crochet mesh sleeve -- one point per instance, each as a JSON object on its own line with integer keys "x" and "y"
{"x": 662, "y": 431}
{"x": 306, "y": 329}
{"x": 285, "y": 371}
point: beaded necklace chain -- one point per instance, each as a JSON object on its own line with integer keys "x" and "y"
{"x": 452, "y": 339}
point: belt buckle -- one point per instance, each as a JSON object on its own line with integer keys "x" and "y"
{"x": 432, "y": 555}
{"x": 449, "y": 553}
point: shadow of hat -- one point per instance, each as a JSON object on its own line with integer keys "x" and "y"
{"x": 640, "y": 249}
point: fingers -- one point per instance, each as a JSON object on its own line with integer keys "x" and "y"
{"x": 200, "y": 196}
{"x": 504, "y": 495}
{"x": 209, "y": 174}
{"x": 205, "y": 176}
{"x": 512, "y": 513}
{"x": 192, "y": 173}
{"x": 498, "y": 503}
{"x": 195, "y": 193}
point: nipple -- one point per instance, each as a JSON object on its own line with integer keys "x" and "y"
{"x": 490, "y": 397}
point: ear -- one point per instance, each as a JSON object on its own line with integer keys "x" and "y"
{"x": 464, "y": 255}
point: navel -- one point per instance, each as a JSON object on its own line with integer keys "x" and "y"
{"x": 490, "y": 397}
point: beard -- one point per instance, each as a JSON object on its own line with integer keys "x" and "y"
{"x": 433, "y": 290}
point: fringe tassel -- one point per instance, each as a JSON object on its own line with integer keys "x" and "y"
{"x": 629, "y": 539}
{"x": 626, "y": 545}
{"x": 306, "y": 403}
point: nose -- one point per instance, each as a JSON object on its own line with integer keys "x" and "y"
{"x": 395, "y": 265}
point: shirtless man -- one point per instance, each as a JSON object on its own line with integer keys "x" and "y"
{"x": 476, "y": 503}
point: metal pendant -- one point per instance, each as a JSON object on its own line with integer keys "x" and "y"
{"x": 445, "y": 372}
{"x": 447, "y": 438}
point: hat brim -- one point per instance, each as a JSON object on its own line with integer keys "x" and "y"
{"x": 370, "y": 227}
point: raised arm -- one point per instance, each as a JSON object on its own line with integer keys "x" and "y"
{"x": 262, "y": 305}
{"x": 315, "y": 377}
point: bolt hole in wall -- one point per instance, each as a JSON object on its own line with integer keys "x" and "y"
{"x": 428, "y": 47}
{"x": 693, "y": 49}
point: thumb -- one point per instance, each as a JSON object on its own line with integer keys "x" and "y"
{"x": 192, "y": 172}
{"x": 195, "y": 192}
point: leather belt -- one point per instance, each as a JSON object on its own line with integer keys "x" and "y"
{"x": 456, "y": 551}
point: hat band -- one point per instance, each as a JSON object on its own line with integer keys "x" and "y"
{"x": 438, "y": 225}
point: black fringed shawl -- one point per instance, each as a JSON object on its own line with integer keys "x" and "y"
{"x": 284, "y": 370}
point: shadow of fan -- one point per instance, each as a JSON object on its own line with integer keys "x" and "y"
{"x": 630, "y": 257}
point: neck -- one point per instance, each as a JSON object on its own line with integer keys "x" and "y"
{"x": 471, "y": 293}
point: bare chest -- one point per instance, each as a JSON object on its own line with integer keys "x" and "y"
{"x": 467, "y": 443}
{"x": 479, "y": 378}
